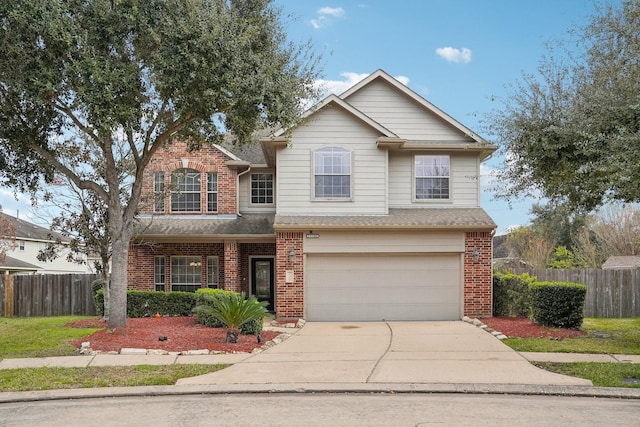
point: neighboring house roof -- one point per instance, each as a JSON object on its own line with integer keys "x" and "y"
{"x": 27, "y": 230}
{"x": 426, "y": 218}
{"x": 14, "y": 265}
{"x": 205, "y": 227}
{"x": 622, "y": 262}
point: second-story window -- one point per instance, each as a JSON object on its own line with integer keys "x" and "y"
{"x": 332, "y": 173}
{"x": 158, "y": 192}
{"x": 185, "y": 190}
{"x": 262, "y": 188}
{"x": 212, "y": 192}
{"x": 432, "y": 177}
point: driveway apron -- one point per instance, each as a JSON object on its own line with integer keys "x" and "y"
{"x": 386, "y": 353}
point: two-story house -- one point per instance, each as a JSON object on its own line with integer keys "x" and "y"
{"x": 30, "y": 239}
{"x": 369, "y": 209}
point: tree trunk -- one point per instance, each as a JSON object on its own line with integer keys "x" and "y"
{"x": 232, "y": 336}
{"x": 118, "y": 282}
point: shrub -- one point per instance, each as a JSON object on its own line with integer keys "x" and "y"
{"x": 558, "y": 304}
{"x": 148, "y": 303}
{"x": 234, "y": 311}
{"x": 205, "y": 298}
{"x": 511, "y": 294}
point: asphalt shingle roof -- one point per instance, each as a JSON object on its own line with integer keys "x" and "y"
{"x": 204, "y": 226}
{"x": 27, "y": 230}
{"x": 428, "y": 218}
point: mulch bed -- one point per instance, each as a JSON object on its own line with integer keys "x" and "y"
{"x": 521, "y": 327}
{"x": 183, "y": 334}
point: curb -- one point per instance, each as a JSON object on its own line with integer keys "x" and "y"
{"x": 440, "y": 388}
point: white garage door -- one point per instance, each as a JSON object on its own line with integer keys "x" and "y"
{"x": 356, "y": 287}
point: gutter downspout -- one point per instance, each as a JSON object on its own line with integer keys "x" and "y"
{"x": 238, "y": 190}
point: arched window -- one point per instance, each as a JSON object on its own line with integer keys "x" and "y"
{"x": 332, "y": 172}
{"x": 185, "y": 190}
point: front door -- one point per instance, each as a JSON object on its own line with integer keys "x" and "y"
{"x": 262, "y": 285}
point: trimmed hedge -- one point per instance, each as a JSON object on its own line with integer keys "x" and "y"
{"x": 558, "y": 304}
{"x": 511, "y": 294}
{"x": 148, "y": 303}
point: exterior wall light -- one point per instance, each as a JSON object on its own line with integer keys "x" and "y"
{"x": 292, "y": 255}
{"x": 475, "y": 254}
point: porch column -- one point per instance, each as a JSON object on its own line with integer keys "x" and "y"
{"x": 478, "y": 274}
{"x": 232, "y": 266}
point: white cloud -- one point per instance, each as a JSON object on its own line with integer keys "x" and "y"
{"x": 452, "y": 54}
{"x": 333, "y": 11}
{"x": 339, "y": 86}
{"x": 324, "y": 16}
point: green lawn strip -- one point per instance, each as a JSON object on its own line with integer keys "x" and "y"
{"x": 604, "y": 336}
{"x": 600, "y": 374}
{"x": 30, "y": 379}
{"x": 39, "y": 336}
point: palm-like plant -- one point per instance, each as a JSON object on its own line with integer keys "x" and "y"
{"x": 234, "y": 310}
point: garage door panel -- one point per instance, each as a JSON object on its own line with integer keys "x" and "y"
{"x": 391, "y": 287}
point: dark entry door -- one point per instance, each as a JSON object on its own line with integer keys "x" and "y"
{"x": 262, "y": 279}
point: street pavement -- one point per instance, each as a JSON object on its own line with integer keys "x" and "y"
{"x": 372, "y": 356}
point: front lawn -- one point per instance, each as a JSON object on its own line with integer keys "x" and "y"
{"x": 600, "y": 374}
{"x": 39, "y": 336}
{"x": 603, "y": 336}
{"x": 105, "y": 376}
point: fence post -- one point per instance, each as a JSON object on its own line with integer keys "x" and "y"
{"x": 8, "y": 296}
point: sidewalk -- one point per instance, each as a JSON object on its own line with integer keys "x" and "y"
{"x": 433, "y": 357}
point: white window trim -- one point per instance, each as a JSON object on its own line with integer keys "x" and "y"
{"x": 156, "y": 283}
{"x": 273, "y": 190}
{"x": 175, "y": 257}
{"x": 158, "y": 193}
{"x": 210, "y": 260}
{"x": 215, "y": 191}
{"x": 179, "y": 191}
{"x": 313, "y": 177}
{"x": 448, "y": 200}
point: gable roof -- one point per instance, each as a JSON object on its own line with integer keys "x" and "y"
{"x": 333, "y": 99}
{"x": 28, "y": 231}
{"x": 380, "y": 74}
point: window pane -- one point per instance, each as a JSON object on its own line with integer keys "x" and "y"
{"x": 158, "y": 188}
{"x": 159, "y": 273}
{"x": 212, "y": 192}
{"x": 212, "y": 271}
{"x": 186, "y": 273}
{"x": 185, "y": 187}
{"x": 432, "y": 177}
{"x": 262, "y": 188}
{"x": 332, "y": 173}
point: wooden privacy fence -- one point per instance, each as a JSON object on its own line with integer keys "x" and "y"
{"x": 47, "y": 295}
{"x": 610, "y": 293}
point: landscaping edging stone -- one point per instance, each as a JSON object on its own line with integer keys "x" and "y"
{"x": 479, "y": 324}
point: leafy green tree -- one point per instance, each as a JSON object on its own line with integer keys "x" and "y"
{"x": 559, "y": 221}
{"x": 571, "y": 133}
{"x": 562, "y": 258}
{"x": 91, "y": 89}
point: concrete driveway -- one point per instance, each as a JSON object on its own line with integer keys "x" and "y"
{"x": 387, "y": 353}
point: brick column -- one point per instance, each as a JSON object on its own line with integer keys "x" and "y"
{"x": 289, "y": 294}
{"x": 232, "y": 266}
{"x": 478, "y": 275}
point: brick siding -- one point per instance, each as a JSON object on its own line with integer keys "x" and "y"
{"x": 478, "y": 276}
{"x": 289, "y": 296}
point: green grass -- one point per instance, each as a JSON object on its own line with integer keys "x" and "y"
{"x": 604, "y": 336}
{"x": 39, "y": 336}
{"x": 29, "y": 379}
{"x": 600, "y": 374}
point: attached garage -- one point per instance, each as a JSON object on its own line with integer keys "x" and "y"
{"x": 374, "y": 287}
{"x": 365, "y": 276}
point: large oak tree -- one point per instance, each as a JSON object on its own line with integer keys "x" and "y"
{"x": 571, "y": 132}
{"x": 91, "y": 89}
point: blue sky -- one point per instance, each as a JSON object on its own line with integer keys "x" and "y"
{"x": 458, "y": 54}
